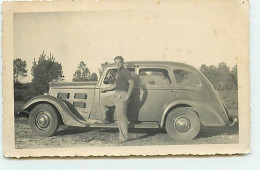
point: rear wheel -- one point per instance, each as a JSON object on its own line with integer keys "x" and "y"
{"x": 43, "y": 120}
{"x": 182, "y": 124}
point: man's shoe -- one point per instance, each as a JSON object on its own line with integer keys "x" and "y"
{"x": 122, "y": 142}
{"x": 106, "y": 122}
{"x": 93, "y": 121}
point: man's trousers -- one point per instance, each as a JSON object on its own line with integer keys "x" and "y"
{"x": 119, "y": 101}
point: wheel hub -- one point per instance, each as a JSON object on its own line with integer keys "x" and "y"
{"x": 42, "y": 120}
{"x": 182, "y": 124}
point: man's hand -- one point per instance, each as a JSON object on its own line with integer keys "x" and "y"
{"x": 110, "y": 88}
{"x": 125, "y": 99}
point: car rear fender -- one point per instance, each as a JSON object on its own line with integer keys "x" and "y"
{"x": 68, "y": 113}
{"x": 207, "y": 115}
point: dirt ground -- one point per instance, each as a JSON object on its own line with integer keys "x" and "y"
{"x": 85, "y": 137}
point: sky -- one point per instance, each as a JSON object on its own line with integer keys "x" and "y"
{"x": 195, "y": 35}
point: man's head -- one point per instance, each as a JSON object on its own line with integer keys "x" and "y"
{"x": 119, "y": 61}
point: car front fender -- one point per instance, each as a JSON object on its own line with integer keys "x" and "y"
{"x": 207, "y": 115}
{"x": 69, "y": 114}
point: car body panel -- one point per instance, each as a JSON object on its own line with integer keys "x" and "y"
{"x": 149, "y": 103}
{"x": 207, "y": 115}
{"x": 147, "y": 111}
{"x": 80, "y": 95}
{"x": 69, "y": 114}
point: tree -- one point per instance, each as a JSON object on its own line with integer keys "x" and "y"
{"x": 211, "y": 73}
{"x": 233, "y": 77}
{"x": 44, "y": 71}
{"x": 103, "y": 65}
{"x": 234, "y": 73}
{"x": 19, "y": 69}
{"x": 94, "y": 77}
{"x": 83, "y": 74}
{"x": 221, "y": 77}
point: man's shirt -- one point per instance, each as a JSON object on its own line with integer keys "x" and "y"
{"x": 122, "y": 78}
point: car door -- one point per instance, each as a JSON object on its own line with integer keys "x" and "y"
{"x": 155, "y": 91}
{"x": 109, "y": 79}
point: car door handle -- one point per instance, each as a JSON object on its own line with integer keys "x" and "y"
{"x": 174, "y": 91}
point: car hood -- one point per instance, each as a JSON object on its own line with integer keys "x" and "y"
{"x": 68, "y": 85}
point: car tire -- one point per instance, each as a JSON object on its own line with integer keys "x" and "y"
{"x": 182, "y": 124}
{"x": 44, "y": 120}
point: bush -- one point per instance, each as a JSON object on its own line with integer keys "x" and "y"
{"x": 24, "y": 92}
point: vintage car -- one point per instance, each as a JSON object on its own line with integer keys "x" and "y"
{"x": 169, "y": 95}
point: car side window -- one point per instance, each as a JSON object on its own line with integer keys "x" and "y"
{"x": 186, "y": 78}
{"x": 110, "y": 77}
{"x": 154, "y": 76}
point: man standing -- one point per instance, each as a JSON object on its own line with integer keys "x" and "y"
{"x": 123, "y": 87}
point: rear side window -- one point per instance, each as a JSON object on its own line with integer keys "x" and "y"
{"x": 186, "y": 78}
{"x": 154, "y": 76}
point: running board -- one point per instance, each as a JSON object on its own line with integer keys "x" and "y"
{"x": 130, "y": 125}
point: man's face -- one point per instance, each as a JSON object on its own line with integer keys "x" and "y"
{"x": 119, "y": 63}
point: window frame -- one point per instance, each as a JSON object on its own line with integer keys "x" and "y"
{"x": 172, "y": 82}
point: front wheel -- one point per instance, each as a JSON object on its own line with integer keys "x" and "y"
{"x": 182, "y": 124}
{"x": 43, "y": 120}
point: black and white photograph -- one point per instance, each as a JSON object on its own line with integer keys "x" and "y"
{"x": 119, "y": 78}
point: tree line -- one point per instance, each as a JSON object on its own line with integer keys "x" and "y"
{"x": 221, "y": 77}
{"x": 46, "y": 70}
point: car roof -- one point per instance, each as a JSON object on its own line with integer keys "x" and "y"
{"x": 169, "y": 64}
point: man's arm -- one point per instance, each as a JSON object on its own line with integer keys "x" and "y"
{"x": 110, "y": 88}
{"x": 130, "y": 88}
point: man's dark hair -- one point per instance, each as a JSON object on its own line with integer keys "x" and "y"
{"x": 119, "y": 57}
